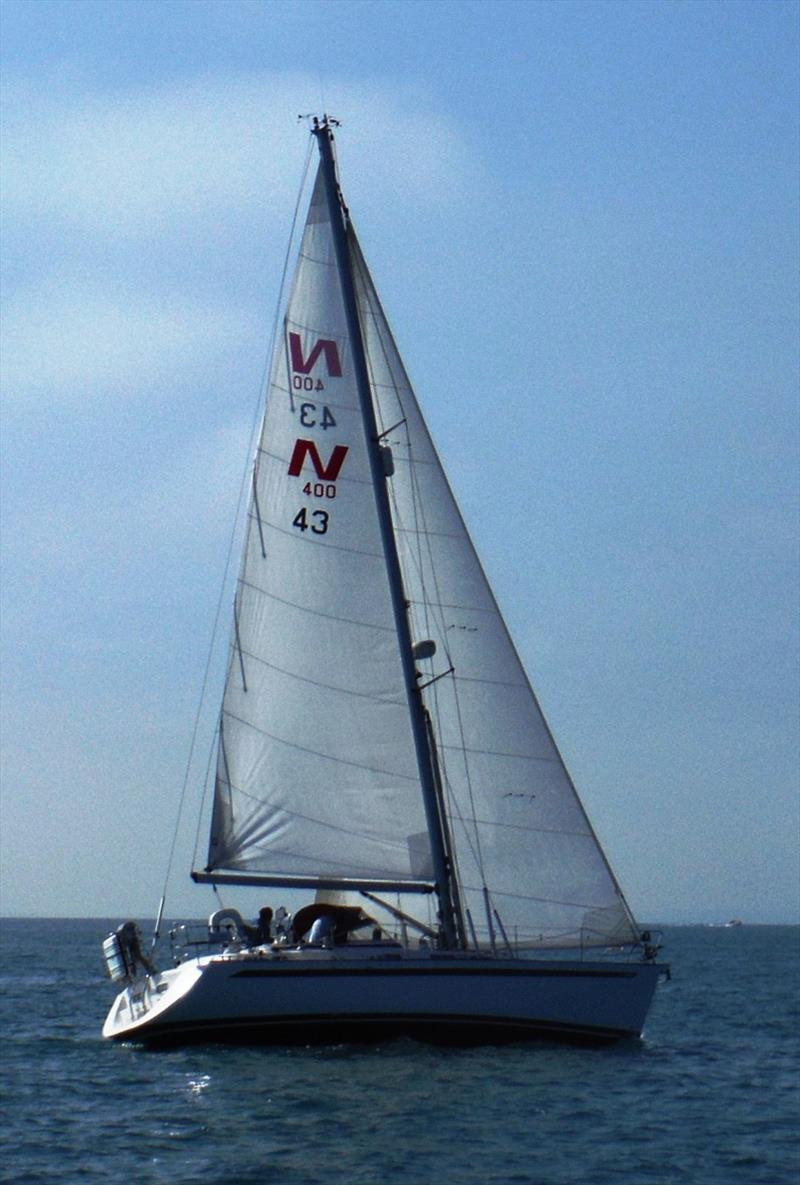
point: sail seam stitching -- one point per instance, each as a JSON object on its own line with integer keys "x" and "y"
{"x": 379, "y": 699}
{"x": 256, "y": 588}
{"x": 316, "y": 752}
{"x": 500, "y": 753}
{"x": 527, "y": 827}
{"x": 381, "y": 840}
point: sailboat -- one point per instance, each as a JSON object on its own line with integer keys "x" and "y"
{"x": 379, "y": 744}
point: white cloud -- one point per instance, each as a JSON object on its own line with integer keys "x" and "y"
{"x": 144, "y": 233}
{"x": 130, "y": 215}
{"x": 171, "y": 507}
{"x": 125, "y": 163}
{"x": 74, "y": 344}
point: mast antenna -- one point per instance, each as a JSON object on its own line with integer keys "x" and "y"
{"x": 327, "y": 121}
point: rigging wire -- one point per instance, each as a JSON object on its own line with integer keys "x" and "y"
{"x": 262, "y": 393}
{"x": 476, "y": 849}
{"x": 423, "y": 537}
{"x": 206, "y": 781}
{"x": 419, "y": 539}
{"x": 419, "y": 561}
{"x": 420, "y": 555}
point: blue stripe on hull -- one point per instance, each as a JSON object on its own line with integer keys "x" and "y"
{"x": 392, "y": 972}
{"x": 440, "y": 1029}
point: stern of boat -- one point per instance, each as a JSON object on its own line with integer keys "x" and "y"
{"x": 146, "y": 999}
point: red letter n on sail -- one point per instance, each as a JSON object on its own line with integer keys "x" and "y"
{"x": 307, "y": 448}
{"x": 322, "y": 346}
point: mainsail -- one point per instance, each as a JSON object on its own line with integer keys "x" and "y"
{"x": 316, "y": 772}
{"x": 317, "y": 775}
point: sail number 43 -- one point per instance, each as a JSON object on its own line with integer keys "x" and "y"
{"x": 313, "y": 415}
{"x": 317, "y": 520}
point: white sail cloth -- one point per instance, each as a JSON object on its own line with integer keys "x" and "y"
{"x": 316, "y": 774}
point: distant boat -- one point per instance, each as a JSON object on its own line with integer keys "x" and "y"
{"x": 733, "y": 922}
{"x": 379, "y": 742}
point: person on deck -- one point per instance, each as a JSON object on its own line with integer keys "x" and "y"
{"x": 265, "y": 925}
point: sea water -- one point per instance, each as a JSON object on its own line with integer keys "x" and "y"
{"x": 709, "y": 1097}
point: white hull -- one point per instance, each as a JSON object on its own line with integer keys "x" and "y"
{"x": 312, "y": 995}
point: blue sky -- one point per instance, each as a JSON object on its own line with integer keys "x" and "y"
{"x": 582, "y": 218}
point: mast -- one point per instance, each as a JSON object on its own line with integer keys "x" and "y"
{"x": 452, "y": 925}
